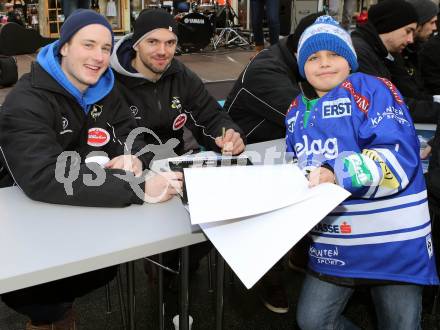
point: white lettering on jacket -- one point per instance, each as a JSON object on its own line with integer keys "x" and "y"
{"x": 336, "y": 108}
{"x": 328, "y": 148}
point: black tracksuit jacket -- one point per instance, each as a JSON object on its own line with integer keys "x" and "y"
{"x": 262, "y": 94}
{"x": 40, "y": 120}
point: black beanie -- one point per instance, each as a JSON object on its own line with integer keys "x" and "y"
{"x": 390, "y": 15}
{"x": 425, "y": 9}
{"x": 151, "y": 19}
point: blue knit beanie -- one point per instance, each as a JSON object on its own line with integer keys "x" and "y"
{"x": 79, "y": 19}
{"x": 325, "y": 34}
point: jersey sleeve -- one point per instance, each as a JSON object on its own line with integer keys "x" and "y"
{"x": 389, "y": 149}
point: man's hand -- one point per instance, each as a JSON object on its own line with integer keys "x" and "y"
{"x": 127, "y": 163}
{"x": 162, "y": 186}
{"x": 321, "y": 175}
{"x": 231, "y": 143}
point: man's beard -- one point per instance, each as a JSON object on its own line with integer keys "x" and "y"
{"x": 153, "y": 69}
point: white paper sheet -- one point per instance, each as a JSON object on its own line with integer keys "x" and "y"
{"x": 252, "y": 245}
{"x": 231, "y": 192}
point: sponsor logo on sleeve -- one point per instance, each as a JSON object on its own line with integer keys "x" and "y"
{"x": 97, "y": 137}
{"x": 362, "y": 102}
{"x": 135, "y": 111}
{"x": 291, "y": 122}
{"x": 65, "y": 124}
{"x": 390, "y": 112}
{"x": 389, "y": 179}
{"x": 392, "y": 88}
{"x": 358, "y": 170}
{"x": 336, "y": 108}
{"x": 429, "y": 246}
{"x": 176, "y": 104}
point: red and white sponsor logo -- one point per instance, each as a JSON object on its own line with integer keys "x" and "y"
{"x": 392, "y": 88}
{"x": 345, "y": 228}
{"x": 361, "y": 101}
{"x": 97, "y": 137}
{"x": 294, "y": 104}
{"x": 180, "y": 121}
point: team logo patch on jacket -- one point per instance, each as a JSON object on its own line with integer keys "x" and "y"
{"x": 134, "y": 110}
{"x": 361, "y": 101}
{"x": 64, "y": 122}
{"x": 175, "y": 103}
{"x": 180, "y": 121}
{"x": 96, "y": 111}
{"x": 291, "y": 122}
{"x": 97, "y": 137}
{"x": 336, "y": 108}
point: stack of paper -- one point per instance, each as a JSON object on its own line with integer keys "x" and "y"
{"x": 255, "y": 214}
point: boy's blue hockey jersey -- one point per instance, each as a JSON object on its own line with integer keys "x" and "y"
{"x": 363, "y": 130}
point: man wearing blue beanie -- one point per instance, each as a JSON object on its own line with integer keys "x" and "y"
{"x": 359, "y": 135}
{"x": 58, "y": 116}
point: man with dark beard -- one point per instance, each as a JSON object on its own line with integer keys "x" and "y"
{"x": 164, "y": 95}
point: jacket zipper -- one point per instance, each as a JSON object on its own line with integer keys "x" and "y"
{"x": 159, "y": 105}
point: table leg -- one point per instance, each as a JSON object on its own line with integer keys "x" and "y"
{"x": 160, "y": 289}
{"x": 130, "y": 295}
{"x": 219, "y": 292}
{"x": 184, "y": 296}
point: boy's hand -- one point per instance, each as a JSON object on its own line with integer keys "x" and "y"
{"x": 321, "y": 175}
{"x": 232, "y": 143}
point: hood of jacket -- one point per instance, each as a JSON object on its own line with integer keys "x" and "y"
{"x": 51, "y": 64}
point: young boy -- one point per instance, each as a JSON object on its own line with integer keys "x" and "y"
{"x": 358, "y": 133}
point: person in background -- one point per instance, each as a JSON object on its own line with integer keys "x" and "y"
{"x": 362, "y": 18}
{"x": 12, "y": 15}
{"x": 272, "y": 10}
{"x": 389, "y": 31}
{"x": 405, "y": 66}
{"x": 62, "y": 112}
{"x": 69, "y": 6}
{"x": 374, "y": 157}
{"x": 430, "y": 65}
